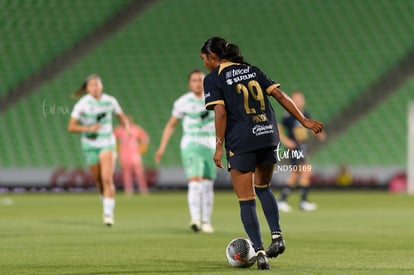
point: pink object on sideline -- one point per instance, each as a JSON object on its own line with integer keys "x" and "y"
{"x": 130, "y": 156}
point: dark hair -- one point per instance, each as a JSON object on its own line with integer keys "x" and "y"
{"x": 223, "y": 50}
{"x": 82, "y": 89}
{"x": 195, "y": 71}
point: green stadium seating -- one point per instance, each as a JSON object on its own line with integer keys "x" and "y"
{"x": 330, "y": 50}
{"x": 379, "y": 138}
{"x": 34, "y": 32}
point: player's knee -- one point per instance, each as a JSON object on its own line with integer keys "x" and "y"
{"x": 106, "y": 179}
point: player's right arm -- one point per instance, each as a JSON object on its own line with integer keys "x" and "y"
{"x": 214, "y": 100}
{"x": 220, "y": 122}
{"x": 166, "y": 135}
{"x": 75, "y": 127}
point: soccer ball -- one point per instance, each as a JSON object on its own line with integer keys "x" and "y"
{"x": 240, "y": 253}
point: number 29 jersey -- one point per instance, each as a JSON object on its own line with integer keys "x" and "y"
{"x": 243, "y": 90}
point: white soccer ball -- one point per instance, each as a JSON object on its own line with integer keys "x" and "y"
{"x": 240, "y": 253}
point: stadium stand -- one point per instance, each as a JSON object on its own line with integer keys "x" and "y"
{"x": 380, "y": 138}
{"x": 34, "y": 32}
{"x": 330, "y": 50}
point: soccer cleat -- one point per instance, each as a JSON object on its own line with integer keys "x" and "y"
{"x": 284, "y": 206}
{"x": 109, "y": 221}
{"x": 307, "y": 206}
{"x": 195, "y": 226}
{"x": 207, "y": 228}
{"x": 277, "y": 246}
{"x": 262, "y": 261}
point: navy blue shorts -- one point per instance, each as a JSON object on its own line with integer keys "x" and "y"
{"x": 249, "y": 160}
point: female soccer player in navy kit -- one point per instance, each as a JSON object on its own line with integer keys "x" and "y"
{"x": 245, "y": 122}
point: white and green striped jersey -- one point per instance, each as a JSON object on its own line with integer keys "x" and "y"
{"x": 89, "y": 111}
{"x": 197, "y": 123}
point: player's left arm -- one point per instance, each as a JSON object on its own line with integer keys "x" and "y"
{"x": 117, "y": 134}
{"x": 290, "y": 106}
{"x": 123, "y": 119}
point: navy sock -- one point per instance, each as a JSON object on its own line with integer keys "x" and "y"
{"x": 269, "y": 206}
{"x": 251, "y": 223}
{"x": 286, "y": 190}
{"x": 304, "y": 190}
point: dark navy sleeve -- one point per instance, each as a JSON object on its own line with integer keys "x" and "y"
{"x": 213, "y": 95}
{"x": 267, "y": 83}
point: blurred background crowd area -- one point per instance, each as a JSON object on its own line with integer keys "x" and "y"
{"x": 353, "y": 61}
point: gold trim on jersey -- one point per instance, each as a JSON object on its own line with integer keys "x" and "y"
{"x": 271, "y": 87}
{"x": 210, "y": 105}
{"x": 224, "y": 65}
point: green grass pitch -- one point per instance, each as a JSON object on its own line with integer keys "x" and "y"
{"x": 351, "y": 233}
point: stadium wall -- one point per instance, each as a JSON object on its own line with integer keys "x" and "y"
{"x": 174, "y": 178}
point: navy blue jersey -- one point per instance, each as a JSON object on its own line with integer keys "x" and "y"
{"x": 243, "y": 90}
{"x": 294, "y": 129}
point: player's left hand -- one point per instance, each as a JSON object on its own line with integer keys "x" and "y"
{"x": 313, "y": 125}
{"x": 218, "y": 156}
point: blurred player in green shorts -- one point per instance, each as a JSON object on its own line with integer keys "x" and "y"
{"x": 197, "y": 150}
{"x": 92, "y": 118}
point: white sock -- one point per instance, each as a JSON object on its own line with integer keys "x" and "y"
{"x": 207, "y": 199}
{"x": 108, "y": 207}
{"x": 194, "y": 200}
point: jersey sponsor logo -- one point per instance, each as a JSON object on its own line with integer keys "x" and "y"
{"x": 236, "y": 72}
{"x": 237, "y": 75}
{"x": 207, "y": 95}
{"x": 240, "y": 78}
{"x": 259, "y": 130}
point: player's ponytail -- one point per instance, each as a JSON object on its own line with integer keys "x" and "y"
{"x": 80, "y": 92}
{"x": 223, "y": 50}
{"x": 82, "y": 89}
{"x": 232, "y": 53}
